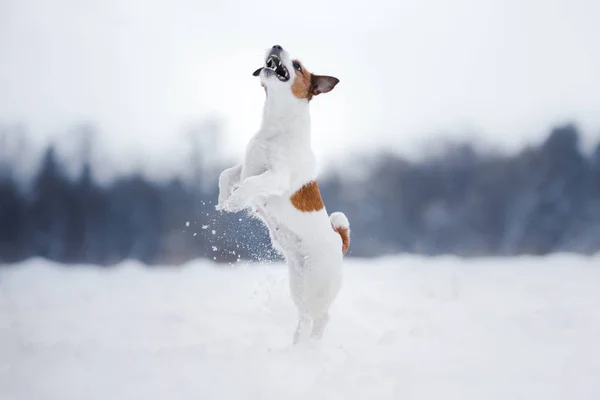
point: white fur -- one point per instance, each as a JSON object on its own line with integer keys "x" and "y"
{"x": 339, "y": 220}
{"x": 279, "y": 160}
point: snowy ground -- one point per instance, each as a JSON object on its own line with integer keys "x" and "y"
{"x": 402, "y": 328}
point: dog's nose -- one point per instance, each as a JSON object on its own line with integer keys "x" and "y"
{"x": 277, "y": 47}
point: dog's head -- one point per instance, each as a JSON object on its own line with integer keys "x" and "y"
{"x": 282, "y": 76}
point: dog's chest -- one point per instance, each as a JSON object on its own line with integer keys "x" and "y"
{"x": 280, "y": 154}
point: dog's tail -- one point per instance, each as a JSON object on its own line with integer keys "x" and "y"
{"x": 340, "y": 224}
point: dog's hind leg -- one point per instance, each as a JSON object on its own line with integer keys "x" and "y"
{"x": 319, "y": 326}
{"x": 303, "y": 326}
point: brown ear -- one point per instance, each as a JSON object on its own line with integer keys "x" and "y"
{"x": 323, "y": 83}
{"x": 257, "y": 72}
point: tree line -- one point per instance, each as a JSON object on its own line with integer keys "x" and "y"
{"x": 460, "y": 200}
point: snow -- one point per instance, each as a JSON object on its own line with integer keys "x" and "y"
{"x": 402, "y": 328}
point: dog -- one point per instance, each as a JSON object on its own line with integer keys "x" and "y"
{"x": 277, "y": 182}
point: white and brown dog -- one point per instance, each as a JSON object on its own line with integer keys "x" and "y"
{"x": 277, "y": 181}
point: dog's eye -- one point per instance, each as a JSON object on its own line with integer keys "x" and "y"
{"x": 297, "y": 66}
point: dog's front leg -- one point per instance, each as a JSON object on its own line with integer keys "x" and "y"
{"x": 269, "y": 183}
{"x": 228, "y": 179}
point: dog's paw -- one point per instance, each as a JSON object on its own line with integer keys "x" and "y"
{"x": 224, "y": 195}
{"x": 235, "y": 203}
{"x": 221, "y": 204}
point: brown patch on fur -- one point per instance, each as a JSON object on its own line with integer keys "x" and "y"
{"x": 345, "y": 238}
{"x": 303, "y": 83}
{"x": 308, "y": 198}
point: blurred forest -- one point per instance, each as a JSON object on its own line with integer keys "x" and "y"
{"x": 460, "y": 200}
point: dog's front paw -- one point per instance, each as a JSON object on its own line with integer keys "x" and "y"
{"x": 221, "y": 204}
{"x": 235, "y": 203}
{"x": 224, "y": 196}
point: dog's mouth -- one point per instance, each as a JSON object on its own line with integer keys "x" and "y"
{"x": 274, "y": 64}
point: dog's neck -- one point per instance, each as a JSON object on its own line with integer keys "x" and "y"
{"x": 286, "y": 115}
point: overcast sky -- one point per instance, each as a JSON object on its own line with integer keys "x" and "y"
{"x": 414, "y": 71}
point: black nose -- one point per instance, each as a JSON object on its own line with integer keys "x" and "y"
{"x": 277, "y": 47}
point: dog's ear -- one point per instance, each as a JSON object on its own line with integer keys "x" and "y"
{"x": 257, "y": 72}
{"x": 323, "y": 83}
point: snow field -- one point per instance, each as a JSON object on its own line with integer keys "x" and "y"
{"x": 402, "y": 328}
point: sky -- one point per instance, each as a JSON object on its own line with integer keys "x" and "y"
{"x": 411, "y": 72}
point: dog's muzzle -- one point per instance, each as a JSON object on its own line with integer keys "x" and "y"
{"x": 274, "y": 65}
